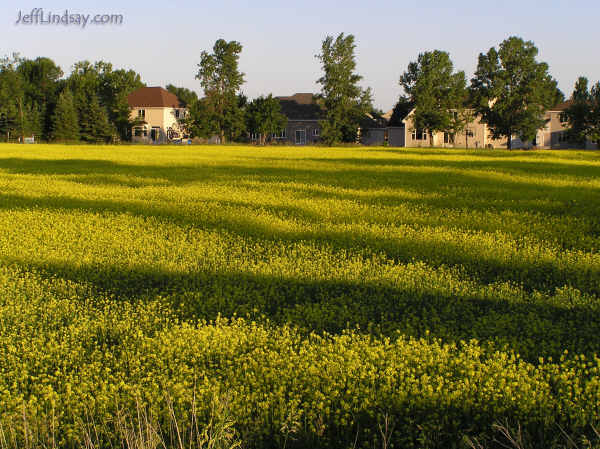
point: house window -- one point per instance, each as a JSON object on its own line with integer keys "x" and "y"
{"x": 315, "y": 132}
{"x": 176, "y": 113}
{"x": 563, "y": 118}
{"x": 448, "y": 138}
{"x": 139, "y": 132}
{"x": 419, "y": 134}
{"x": 141, "y": 113}
{"x": 254, "y": 136}
{"x": 562, "y": 137}
{"x": 470, "y": 133}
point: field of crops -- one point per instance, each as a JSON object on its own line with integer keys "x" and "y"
{"x": 314, "y": 297}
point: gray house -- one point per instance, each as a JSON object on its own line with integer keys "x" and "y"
{"x": 303, "y": 114}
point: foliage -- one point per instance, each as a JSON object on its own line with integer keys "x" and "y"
{"x": 513, "y": 90}
{"x": 398, "y": 296}
{"x": 583, "y": 115}
{"x": 13, "y": 113}
{"x": 101, "y": 94}
{"x": 345, "y": 102}
{"x": 65, "y": 121}
{"x": 41, "y": 80}
{"x": 221, "y": 80}
{"x": 438, "y": 94}
{"x": 186, "y": 96}
{"x": 401, "y": 110}
{"x": 264, "y": 117}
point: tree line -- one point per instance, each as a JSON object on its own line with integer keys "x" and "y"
{"x": 510, "y": 92}
{"x": 89, "y": 105}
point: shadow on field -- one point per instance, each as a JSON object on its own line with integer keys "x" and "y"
{"x": 532, "y": 329}
{"x": 486, "y": 267}
{"x": 342, "y": 172}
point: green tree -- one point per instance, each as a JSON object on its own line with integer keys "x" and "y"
{"x": 264, "y": 117}
{"x": 41, "y": 81}
{"x": 221, "y": 80}
{"x": 437, "y": 92}
{"x": 344, "y": 101}
{"x": 13, "y": 108}
{"x": 186, "y": 96}
{"x": 65, "y": 121}
{"x": 93, "y": 121}
{"x": 594, "y": 118}
{"x": 512, "y": 90}
{"x": 578, "y": 114}
{"x": 401, "y": 110}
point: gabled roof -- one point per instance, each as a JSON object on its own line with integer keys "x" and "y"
{"x": 562, "y": 106}
{"x": 153, "y": 97}
{"x": 301, "y": 106}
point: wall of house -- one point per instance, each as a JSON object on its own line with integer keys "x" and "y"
{"x": 396, "y": 137}
{"x": 480, "y": 138}
{"x": 309, "y": 126}
{"x": 161, "y": 118}
{"x": 373, "y": 136}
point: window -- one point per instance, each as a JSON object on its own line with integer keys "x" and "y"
{"x": 419, "y": 134}
{"x": 469, "y": 133}
{"x": 563, "y": 118}
{"x": 139, "y": 132}
{"x": 315, "y": 132}
{"x": 141, "y": 113}
{"x": 562, "y": 137}
{"x": 254, "y": 136}
{"x": 448, "y": 138}
{"x": 176, "y": 113}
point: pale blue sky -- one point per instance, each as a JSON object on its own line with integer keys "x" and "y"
{"x": 163, "y": 39}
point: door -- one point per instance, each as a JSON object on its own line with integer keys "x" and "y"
{"x": 300, "y": 137}
{"x": 155, "y": 134}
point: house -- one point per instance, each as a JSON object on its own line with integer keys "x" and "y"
{"x": 157, "y": 112}
{"x": 475, "y": 135}
{"x": 554, "y": 135}
{"x": 303, "y": 114}
{"x": 478, "y": 135}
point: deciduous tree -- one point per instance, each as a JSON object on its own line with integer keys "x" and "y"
{"x": 264, "y": 117}
{"x": 221, "y": 80}
{"x": 345, "y": 102}
{"x": 512, "y": 90}
{"x": 437, "y": 92}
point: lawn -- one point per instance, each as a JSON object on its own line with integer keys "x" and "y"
{"x": 309, "y": 295}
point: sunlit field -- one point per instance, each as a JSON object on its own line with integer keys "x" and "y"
{"x": 314, "y": 297}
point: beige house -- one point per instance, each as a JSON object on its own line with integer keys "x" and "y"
{"x": 554, "y": 134}
{"x": 478, "y": 135}
{"x": 157, "y": 111}
{"x": 475, "y": 135}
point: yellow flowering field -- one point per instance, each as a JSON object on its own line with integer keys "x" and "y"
{"x": 328, "y": 297}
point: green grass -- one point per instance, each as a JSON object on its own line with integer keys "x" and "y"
{"x": 319, "y": 248}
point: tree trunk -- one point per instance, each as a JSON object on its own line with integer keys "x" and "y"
{"x": 222, "y": 137}
{"x": 431, "y": 140}
{"x": 509, "y": 139}
{"x": 22, "y": 121}
{"x": 467, "y": 139}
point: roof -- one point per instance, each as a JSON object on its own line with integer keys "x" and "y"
{"x": 302, "y": 106}
{"x": 153, "y": 97}
{"x": 562, "y": 106}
